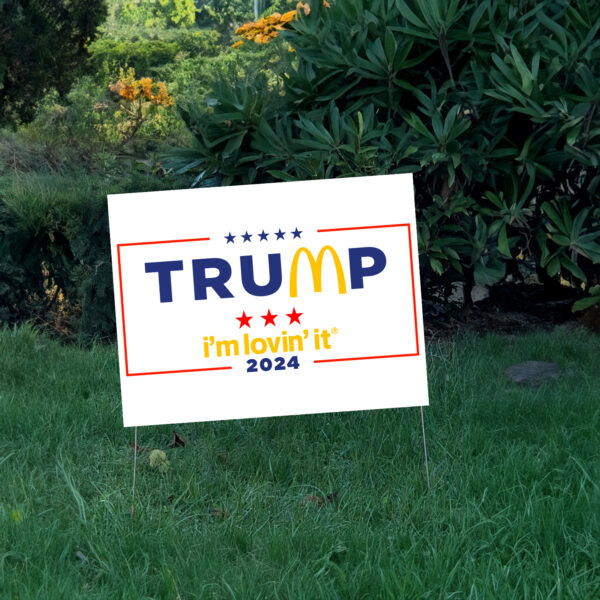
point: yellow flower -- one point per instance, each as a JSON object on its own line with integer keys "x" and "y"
{"x": 16, "y": 515}
{"x": 564, "y": 282}
{"x": 288, "y": 16}
{"x": 237, "y": 44}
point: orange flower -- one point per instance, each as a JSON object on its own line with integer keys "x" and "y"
{"x": 288, "y": 16}
{"x": 305, "y": 7}
{"x": 162, "y": 97}
{"x": 267, "y": 28}
{"x": 129, "y": 88}
{"x": 146, "y": 87}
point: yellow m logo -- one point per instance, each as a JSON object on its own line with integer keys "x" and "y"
{"x": 316, "y": 267}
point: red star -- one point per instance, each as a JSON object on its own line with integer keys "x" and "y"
{"x": 269, "y": 318}
{"x": 294, "y": 316}
{"x": 244, "y": 320}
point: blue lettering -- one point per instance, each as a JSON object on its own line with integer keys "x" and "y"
{"x": 164, "y": 269}
{"x": 274, "y": 276}
{"x": 217, "y": 283}
{"x": 358, "y": 272}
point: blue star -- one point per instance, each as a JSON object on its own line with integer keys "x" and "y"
{"x": 229, "y": 238}
{"x": 246, "y": 236}
{"x": 280, "y": 234}
{"x": 263, "y": 235}
{"x": 296, "y": 233}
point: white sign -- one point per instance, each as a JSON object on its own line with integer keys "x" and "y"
{"x": 268, "y": 299}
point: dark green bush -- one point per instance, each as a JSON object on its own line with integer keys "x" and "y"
{"x": 43, "y": 45}
{"x": 143, "y": 55}
{"x": 492, "y": 104}
{"x": 150, "y": 49}
{"x": 55, "y": 263}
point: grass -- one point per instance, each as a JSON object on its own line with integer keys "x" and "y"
{"x": 513, "y": 512}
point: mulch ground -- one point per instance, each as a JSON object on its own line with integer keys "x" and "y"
{"x": 510, "y": 308}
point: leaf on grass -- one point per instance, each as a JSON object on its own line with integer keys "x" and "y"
{"x": 221, "y": 513}
{"x": 177, "y": 440}
{"x": 308, "y": 499}
{"x": 16, "y": 515}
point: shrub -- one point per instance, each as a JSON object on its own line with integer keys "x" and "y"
{"x": 493, "y": 105}
{"x": 55, "y": 263}
{"x": 108, "y": 55}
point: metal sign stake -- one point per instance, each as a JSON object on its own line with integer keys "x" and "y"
{"x": 135, "y": 446}
{"x": 425, "y": 449}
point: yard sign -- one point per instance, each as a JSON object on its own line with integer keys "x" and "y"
{"x": 268, "y": 299}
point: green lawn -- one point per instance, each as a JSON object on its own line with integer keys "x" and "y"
{"x": 513, "y": 512}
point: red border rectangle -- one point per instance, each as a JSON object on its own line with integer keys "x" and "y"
{"x": 328, "y": 360}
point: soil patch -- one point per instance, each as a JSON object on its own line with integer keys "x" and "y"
{"x": 509, "y": 308}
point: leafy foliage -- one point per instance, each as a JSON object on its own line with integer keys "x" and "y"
{"x": 493, "y": 106}
{"x": 42, "y": 45}
{"x": 158, "y": 13}
{"x": 223, "y": 15}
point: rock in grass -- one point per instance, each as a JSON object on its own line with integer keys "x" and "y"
{"x": 532, "y": 372}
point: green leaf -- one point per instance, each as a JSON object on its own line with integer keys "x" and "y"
{"x": 585, "y": 303}
{"x": 573, "y": 135}
{"x": 553, "y": 267}
{"x": 503, "y": 245}
{"x": 574, "y": 268}
{"x": 554, "y": 28}
{"x": 524, "y": 72}
{"x": 282, "y": 175}
{"x": 489, "y": 274}
{"x": 409, "y": 15}
{"x": 390, "y": 45}
{"x": 436, "y": 265}
{"x": 477, "y": 14}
